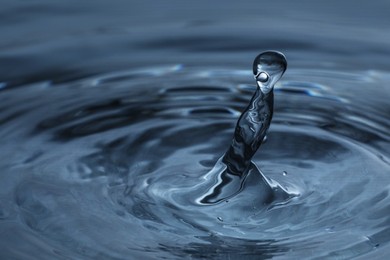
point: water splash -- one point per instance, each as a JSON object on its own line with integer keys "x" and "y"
{"x": 236, "y": 165}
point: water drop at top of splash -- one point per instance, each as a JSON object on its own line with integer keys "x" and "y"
{"x": 268, "y": 68}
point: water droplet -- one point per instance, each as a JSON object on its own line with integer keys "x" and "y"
{"x": 268, "y": 68}
{"x": 284, "y": 173}
{"x": 329, "y": 229}
{"x": 373, "y": 243}
{"x": 220, "y": 219}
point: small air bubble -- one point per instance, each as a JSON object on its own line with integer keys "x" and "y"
{"x": 262, "y": 77}
{"x": 284, "y": 173}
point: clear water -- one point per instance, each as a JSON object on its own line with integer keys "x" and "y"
{"x": 112, "y": 114}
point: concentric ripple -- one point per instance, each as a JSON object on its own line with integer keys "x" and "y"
{"x": 112, "y": 166}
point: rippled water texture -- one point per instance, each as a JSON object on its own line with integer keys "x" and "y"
{"x": 112, "y": 117}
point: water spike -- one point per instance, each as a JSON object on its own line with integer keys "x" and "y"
{"x": 235, "y": 171}
{"x": 252, "y": 126}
